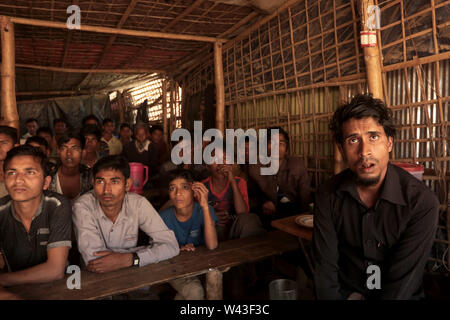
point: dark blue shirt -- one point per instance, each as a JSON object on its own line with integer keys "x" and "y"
{"x": 190, "y": 231}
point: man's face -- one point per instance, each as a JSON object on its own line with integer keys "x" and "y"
{"x": 280, "y": 142}
{"x": 60, "y": 128}
{"x": 32, "y": 127}
{"x": 48, "y": 137}
{"x": 141, "y": 135}
{"x": 24, "y": 178}
{"x": 6, "y": 144}
{"x": 125, "y": 133}
{"x": 110, "y": 187}
{"x": 91, "y": 144}
{"x": 109, "y": 127}
{"x": 70, "y": 153}
{"x": 366, "y": 149}
{"x": 181, "y": 194}
{"x": 157, "y": 136}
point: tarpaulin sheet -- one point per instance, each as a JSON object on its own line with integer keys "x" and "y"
{"x": 71, "y": 109}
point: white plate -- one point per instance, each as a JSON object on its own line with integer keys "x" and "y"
{"x": 305, "y": 220}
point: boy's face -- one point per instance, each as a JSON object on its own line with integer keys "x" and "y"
{"x": 91, "y": 144}
{"x": 60, "y": 128}
{"x": 157, "y": 136}
{"x": 32, "y": 127}
{"x": 125, "y": 133}
{"x": 109, "y": 127}
{"x": 181, "y": 194}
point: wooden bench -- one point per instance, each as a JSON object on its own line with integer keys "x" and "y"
{"x": 202, "y": 261}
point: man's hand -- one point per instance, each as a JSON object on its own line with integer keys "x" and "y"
{"x": 269, "y": 208}
{"x": 227, "y": 171}
{"x": 109, "y": 261}
{"x": 188, "y": 247}
{"x": 200, "y": 193}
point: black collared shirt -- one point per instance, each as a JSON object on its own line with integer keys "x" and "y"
{"x": 51, "y": 227}
{"x": 396, "y": 234}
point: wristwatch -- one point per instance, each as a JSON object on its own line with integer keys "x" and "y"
{"x": 135, "y": 259}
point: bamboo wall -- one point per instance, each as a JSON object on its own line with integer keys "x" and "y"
{"x": 295, "y": 67}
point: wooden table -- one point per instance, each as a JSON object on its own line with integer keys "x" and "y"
{"x": 289, "y": 225}
{"x": 202, "y": 261}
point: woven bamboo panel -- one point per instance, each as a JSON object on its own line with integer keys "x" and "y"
{"x": 295, "y": 67}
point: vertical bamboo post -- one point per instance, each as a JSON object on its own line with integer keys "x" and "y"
{"x": 8, "y": 72}
{"x": 172, "y": 105}
{"x": 371, "y": 56}
{"x": 164, "y": 108}
{"x": 339, "y": 163}
{"x": 220, "y": 90}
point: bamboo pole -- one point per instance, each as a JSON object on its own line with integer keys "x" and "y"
{"x": 8, "y": 72}
{"x": 220, "y": 89}
{"x": 126, "y": 32}
{"x": 164, "y": 108}
{"x": 172, "y": 105}
{"x": 371, "y": 57}
{"x": 339, "y": 163}
{"x": 74, "y": 70}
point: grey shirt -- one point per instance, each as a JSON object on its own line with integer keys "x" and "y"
{"x": 50, "y": 228}
{"x": 96, "y": 232}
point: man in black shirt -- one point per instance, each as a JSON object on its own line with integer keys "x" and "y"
{"x": 35, "y": 224}
{"x": 374, "y": 222}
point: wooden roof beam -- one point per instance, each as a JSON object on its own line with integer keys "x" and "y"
{"x": 125, "y": 32}
{"x": 75, "y": 70}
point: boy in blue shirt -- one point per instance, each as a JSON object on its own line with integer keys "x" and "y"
{"x": 194, "y": 223}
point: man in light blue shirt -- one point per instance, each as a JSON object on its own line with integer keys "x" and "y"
{"x": 108, "y": 218}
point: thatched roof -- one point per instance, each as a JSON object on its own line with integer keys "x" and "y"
{"x": 74, "y": 49}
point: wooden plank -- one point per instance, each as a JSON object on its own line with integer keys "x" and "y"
{"x": 228, "y": 254}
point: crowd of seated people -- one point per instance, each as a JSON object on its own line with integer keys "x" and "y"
{"x": 52, "y": 212}
{"x": 88, "y": 175}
